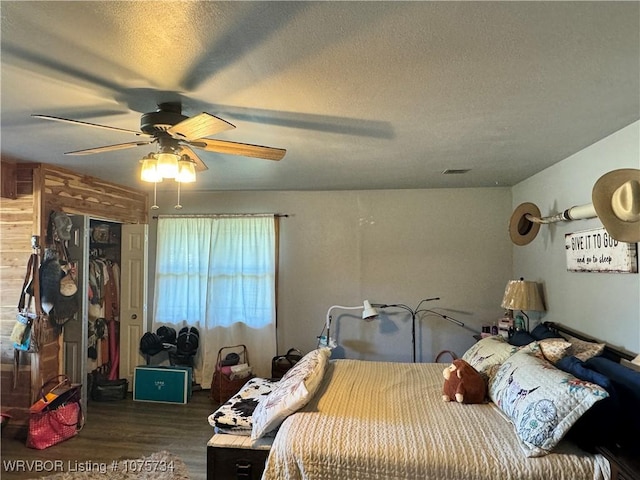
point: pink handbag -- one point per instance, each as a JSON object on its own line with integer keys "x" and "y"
{"x": 50, "y": 427}
{"x": 56, "y": 416}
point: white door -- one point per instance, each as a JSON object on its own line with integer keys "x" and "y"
{"x": 133, "y": 298}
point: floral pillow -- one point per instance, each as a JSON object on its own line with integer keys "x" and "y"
{"x": 291, "y": 393}
{"x": 554, "y": 349}
{"x": 489, "y": 352}
{"x": 584, "y": 350}
{"x": 541, "y": 401}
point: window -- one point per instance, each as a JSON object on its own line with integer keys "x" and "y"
{"x": 218, "y": 273}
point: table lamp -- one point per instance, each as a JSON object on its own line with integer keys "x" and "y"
{"x": 523, "y": 295}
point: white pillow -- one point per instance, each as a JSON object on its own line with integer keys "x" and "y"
{"x": 291, "y": 393}
{"x": 489, "y": 352}
{"x": 541, "y": 401}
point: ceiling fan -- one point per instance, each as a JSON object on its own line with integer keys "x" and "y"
{"x": 178, "y": 134}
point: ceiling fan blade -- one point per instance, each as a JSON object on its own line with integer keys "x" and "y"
{"x": 234, "y": 148}
{"x": 200, "y": 165}
{"x": 198, "y": 126}
{"x": 109, "y": 148}
{"x": 95, "y": 125}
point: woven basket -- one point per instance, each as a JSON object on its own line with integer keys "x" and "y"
{"x": 222, "y": 386}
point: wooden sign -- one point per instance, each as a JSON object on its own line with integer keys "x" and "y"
{"x": 595, "y": 251}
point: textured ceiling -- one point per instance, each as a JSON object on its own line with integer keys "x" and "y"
{"x": 361, "y": 94}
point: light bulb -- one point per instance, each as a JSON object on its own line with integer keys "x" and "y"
{"x": 186, "y": 170}
{"x": 167, "y": 164}
{"x": 149, "y": 171}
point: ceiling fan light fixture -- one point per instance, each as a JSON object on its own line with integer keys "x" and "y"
{"x": 174, "y": 132}
{"x": 149, "y": 171}
{"x": 186, "y": 170}
{"x": 167, "y": 164}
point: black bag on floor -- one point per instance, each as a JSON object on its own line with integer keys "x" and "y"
{"x": 103, "y": 390}
{"x": 282, "y": 363}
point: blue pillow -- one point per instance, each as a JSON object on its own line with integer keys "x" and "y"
{"x": 626, "y": 383}
{"x": 620, "y": 375}
{"x": 601, "y": 423}
{"x": 521, "y": 338}
{"x": 542, "y": 331}
{"x": 577, "y": 368}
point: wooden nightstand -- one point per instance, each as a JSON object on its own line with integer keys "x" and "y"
{"x": 624, "y": 465}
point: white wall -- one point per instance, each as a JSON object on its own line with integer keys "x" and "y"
{"x": 400, "y": 246}
{"x": 387, "y": 246}
{"x": 604, "y": 305}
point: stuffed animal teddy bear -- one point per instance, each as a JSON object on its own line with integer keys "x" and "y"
{"x": 463, "y": 383}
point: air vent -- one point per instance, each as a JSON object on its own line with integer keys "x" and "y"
{"x": 455, "y": 171}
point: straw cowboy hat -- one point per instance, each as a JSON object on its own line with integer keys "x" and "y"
{"x": 522, "y": 230}
{"x": 616, "y": 198}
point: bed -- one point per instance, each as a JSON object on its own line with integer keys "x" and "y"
{"x": 380, "y": 420}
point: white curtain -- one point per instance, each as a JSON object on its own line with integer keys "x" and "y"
{"x": 218, "y": 274}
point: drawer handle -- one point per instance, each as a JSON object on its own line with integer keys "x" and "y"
{"x": 243, "y": 470}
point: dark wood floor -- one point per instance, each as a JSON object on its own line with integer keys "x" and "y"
{"x": 124, "y": 430}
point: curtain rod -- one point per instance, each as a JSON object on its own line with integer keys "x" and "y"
{"x": 222, "y": 215}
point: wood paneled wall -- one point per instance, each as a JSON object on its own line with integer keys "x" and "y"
{"x": 67, "y": 191}
{"x": 17, "y": 226}
{"x": 24, "y": 211}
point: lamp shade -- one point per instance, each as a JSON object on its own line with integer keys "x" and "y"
{"x": 369, "y": 313}
{"x": 186, "y": 170}
{"x": 149, "y": 171}
{"x": 522, "y": 295}
{"x": 167, "y": 164}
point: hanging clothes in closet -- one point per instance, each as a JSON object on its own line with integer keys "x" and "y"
{"x": 104, "y": 314}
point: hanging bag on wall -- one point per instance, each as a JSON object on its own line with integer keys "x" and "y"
{"x": 29, "y": 330}
{"x": 21, "y": 335}
{"x": 59, "y": 272}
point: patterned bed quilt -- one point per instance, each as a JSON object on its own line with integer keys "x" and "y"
{"x": 234, "y": 416}
{"x": 378, "y": 420}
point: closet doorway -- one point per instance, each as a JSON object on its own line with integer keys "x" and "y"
{"x": 103, "y": 339}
